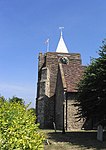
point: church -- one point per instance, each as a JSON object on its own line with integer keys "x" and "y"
{"x": 58, "y": 75}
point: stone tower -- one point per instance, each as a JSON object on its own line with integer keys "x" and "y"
{"x": 48, "y": 71}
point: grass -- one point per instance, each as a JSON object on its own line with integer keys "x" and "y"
{"x": 74, "y": 140}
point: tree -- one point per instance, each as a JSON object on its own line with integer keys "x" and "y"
{"x": 2, "y": 99}
{"x": 15, "y": 99}
{"x": 91, "y": 98}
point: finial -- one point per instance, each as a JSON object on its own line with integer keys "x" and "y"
{"x": 61, "y": 29}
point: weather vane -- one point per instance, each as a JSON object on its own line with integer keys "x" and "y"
{"x": 61, "y": 29}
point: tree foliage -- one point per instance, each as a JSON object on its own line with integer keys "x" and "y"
{"x": 15, "y": 99}
{"x": 18, "y": 130}
{"x": 32, "y": 110}
{"x": 92, "y": 88}
{"x": 2, "y": 99}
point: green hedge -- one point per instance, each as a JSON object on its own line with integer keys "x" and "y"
{"x": 18, "y": 130}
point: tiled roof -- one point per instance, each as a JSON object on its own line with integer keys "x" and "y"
{"x": 72, "y": 74}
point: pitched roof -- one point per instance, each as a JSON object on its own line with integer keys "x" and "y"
{"x": 61, "y": 48}
{"x": 71, "y": 74}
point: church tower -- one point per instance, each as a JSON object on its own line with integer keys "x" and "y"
{"x": 48, "y": 87}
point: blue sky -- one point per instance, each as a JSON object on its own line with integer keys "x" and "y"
{"x": 26, "y": 24}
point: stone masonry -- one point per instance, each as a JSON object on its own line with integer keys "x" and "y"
{"x": 50, "y": 89}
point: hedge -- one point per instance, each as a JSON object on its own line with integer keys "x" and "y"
{"x": 18, "y": 130}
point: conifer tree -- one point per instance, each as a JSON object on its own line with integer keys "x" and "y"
{"x": 91, "y": 100}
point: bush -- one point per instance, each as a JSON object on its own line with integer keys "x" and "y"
{"x": 18, "y": 130}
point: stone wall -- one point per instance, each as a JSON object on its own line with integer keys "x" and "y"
{"x": 46, "y": 88}
{"x": 70, "y": 111}
{"x": 40, "y": 111}
{"x": 47, "y": 74}
{"x": 52, "y": 61}
{"x": 52, "y": 64}
{"x": 72, "y": 121}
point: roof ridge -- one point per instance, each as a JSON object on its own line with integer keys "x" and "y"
{"x": 62, "y": 76}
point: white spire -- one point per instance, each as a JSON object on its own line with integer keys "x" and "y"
{"x": 61, "y": 48}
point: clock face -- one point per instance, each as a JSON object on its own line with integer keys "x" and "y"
{"x": 64, "y": 60}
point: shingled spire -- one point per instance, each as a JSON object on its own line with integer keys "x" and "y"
{"x": 61, "y": 47}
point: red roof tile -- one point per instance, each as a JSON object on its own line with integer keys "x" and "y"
{"x": 72, "y": 75}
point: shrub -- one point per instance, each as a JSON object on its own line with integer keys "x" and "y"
{"x": 18, "y": 130}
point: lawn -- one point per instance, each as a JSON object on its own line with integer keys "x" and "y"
{"x": 74, "y": 140}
